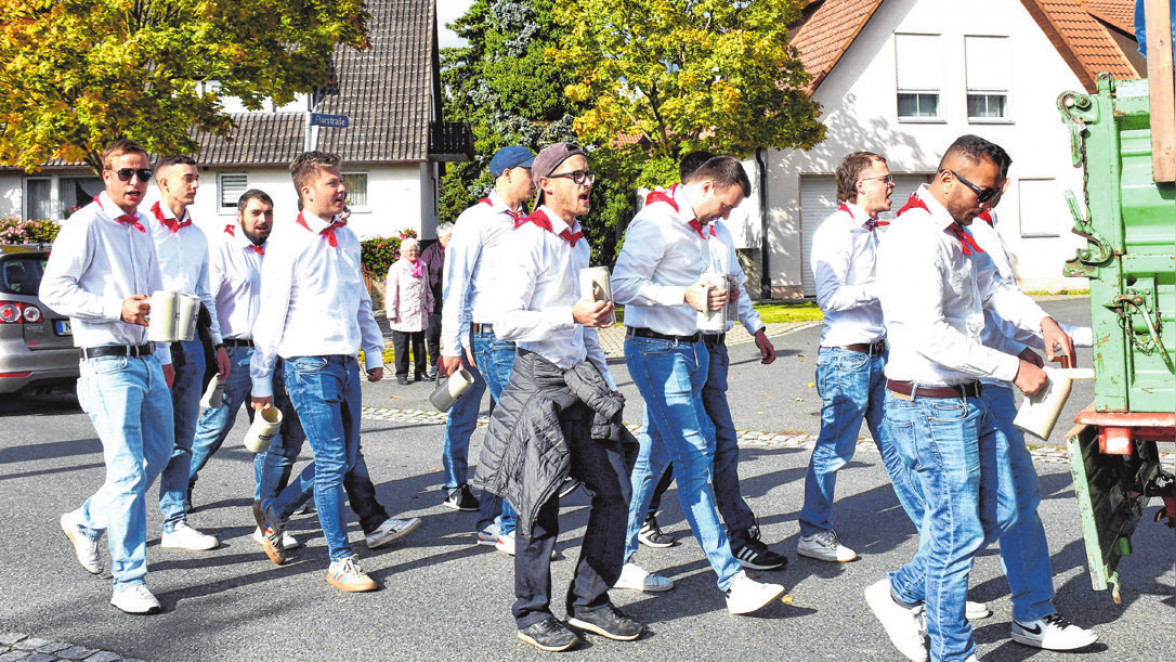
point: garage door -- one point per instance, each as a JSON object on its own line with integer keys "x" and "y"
{"x": 818, "y": 199}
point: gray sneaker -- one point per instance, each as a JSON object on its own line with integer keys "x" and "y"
{"x": 825, "y": 546}
{"x": 85, "y": 547}
{"x": 391, "y": 529}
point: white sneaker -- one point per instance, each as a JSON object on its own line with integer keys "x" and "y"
{"x": 746, "y": 595}
{"x": 183, "y": 536}
{"x": 288, "y": 541}
{"x": 636, "y": 578}
{"x": 347, "y": 576}
{"x": 976, "y": 611}
{"x": 825, "y": 546}
{"x": 85, "y": 547}
{"x": 391, "y": 529}
{"x": 901, "y": 623}
{"x": 506, "y": 543}
{"x": 135, "y": 599}
{"x": 1053, "y": 633}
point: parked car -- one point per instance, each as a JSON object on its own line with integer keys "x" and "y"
{"x": 36, "y": 343}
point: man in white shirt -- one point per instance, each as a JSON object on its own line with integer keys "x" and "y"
{"x": 557, "y": 348}
{"x": 934, "y": 288}
{"x": 101, "y": 272}
{"x": 316, "y": 315}
{"x": 740, "y": 521}
{"x": 183, "y": 260}
{"x": 482, "y": 238}
{"x": 659, "y": 278}
{"x": 852, "y": 354}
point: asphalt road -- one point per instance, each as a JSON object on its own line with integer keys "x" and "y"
{"x": 446, "y": 599}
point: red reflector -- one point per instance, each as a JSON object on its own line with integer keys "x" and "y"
{"x": 15, "y": 374}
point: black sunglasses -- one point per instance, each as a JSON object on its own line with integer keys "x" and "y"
{"x": 125, "y": 174}
{"x": 577, "y": 176}
{"x": 982, "y": 194}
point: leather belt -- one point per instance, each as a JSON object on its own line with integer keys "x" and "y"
{"x": 714, "y": 339}
{"x": 970, "y": 390}
{"x": 133, "y": 351}
{"x": 876, "y": 348}
{"x": 640, "y": 332}
{"x": 481, "y": 328}
{"x": 238, "y": 342}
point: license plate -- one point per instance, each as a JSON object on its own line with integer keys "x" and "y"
{"x": 63, "y": 328}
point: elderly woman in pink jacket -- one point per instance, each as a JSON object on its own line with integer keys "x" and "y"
{"x": 409, "y": 302}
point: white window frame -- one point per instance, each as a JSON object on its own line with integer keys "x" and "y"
{"x": 367, "y": 187}
{"x": 900, "y": 89}
{"x": 988, "y": 88}
{"x": 220, "y": 191}
{"x": 54, "y": 197}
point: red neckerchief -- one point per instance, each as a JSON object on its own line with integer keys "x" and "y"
{"x": 663, "y": 196}
{"x": 987, "y": 218}
{"x": 127, "y": 219}
{"x": 516, "y": 216}
{"x": 328, "y": 232}
{"x": 170, "y": 223}
{"x": 914, "y": 202}
{"x": 538, "y": 217}
{"x": 967, "y": 243}
{"x": 231, "y": 230}
{"x": 871, "y": 223}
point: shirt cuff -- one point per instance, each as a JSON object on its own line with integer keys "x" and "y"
{"x": 373, "y": 358}
{"x": 559, "y": 318}
{"x": 262, "y": 388}
{"x": 608, "y": 379}
{"x": 1008, "y": 367}
{"x": 112, "y": 310}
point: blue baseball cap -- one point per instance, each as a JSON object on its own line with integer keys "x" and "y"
{"x": 512, "y": 156}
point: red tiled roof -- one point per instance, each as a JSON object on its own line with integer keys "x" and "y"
{"x": 826, "y": 32}
{"x": 830, "y": 26}
{"x": 1081, "y": 40}
{"x": 1118, "y": 13}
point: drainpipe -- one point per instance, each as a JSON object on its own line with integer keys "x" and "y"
{"x": 765, "y": 279}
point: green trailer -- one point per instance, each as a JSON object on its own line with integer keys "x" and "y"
{"x": 1128, "y": 216}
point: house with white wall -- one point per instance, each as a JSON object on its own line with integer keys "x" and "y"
{"x": 904, "y": 78}
{"x": 393, "y": 148}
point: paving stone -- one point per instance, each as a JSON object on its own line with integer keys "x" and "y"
{"x": 14, "y": 656}
{"x": 53, "y": 647}
{"x": 76, "y": 653}
{"x": 104, "y": 656}
{"x": 30, "y": 644}
{"x": 10, "y": 638}
{"x": 40, "y": 657}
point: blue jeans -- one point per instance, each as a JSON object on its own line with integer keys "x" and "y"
{"x": 852, "y": 387}
{"x": 735, "y": 511}
{"x": 495, "y": 358}
{"x": 325, "y": 393}
{"x": 670, "y": 376}
{"x": 128, "y": 401}
{"x": 463, "y": 418}
{"x": 950, "y": 445}
{"x": 215, "y": 423}
{"x": 186, "y": 390}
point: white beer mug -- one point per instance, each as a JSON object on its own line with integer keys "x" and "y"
{"x": 161, "y": 319}
{"x": 187, "y": 311}
{"x": 450, "y": 388}
{"x": 265, "y": 426}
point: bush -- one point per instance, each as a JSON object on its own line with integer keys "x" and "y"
{"x": 15, "y": 231}
{"x": 378, "y": 254}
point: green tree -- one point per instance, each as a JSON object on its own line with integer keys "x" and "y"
{"x": 682, "y": 75}
{"x": 78, "y": 74}
{"x": 503, "y": 84}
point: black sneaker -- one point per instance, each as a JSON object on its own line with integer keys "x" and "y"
{"x": 402, "y": 380}
{"x": 549, "y": 635}
{"x": 422, "y": 377}
{"x": 461, "y": 499}
{"x": 608, "y": 621}
{"x": 755, "y": 555}
{"x": 651, "y": 535}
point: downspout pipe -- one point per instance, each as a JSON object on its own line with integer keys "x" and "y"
{"x": 765, "y": 278}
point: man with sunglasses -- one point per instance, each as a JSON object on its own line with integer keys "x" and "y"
{"x": 852, "y": 353}
{"x": 659, "y": 278}
{"x": 934, "y": 285}
{"x": 101, "y": 272}
{"x": 183, "y": 260}
{"x": 481, "y": 240}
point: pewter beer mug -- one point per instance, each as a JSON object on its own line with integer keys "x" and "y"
{"x": 713, "y": 320}
{"x": 596, "y": 285}
{"x": 187, "y": 311}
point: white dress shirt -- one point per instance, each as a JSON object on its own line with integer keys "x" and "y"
{"x": 540, "y": 284}
{"x": 482, "y": 237}
{"x": 96, "y": 264}
{"x": 725, "y": 260}
{"x": 933, "y": 299}
{"x": 183, "y": 258}
{"x": 843, "y": 259}
{"x": 234, "y": 272}
{"x": 662, "y": 256}
{"x": 314, "y": 302}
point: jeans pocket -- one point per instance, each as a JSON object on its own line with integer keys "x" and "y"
{"x": 948, "y": 409}
{"x": 657, "y": 346}
{"x": 306, "y": 364}
{"x": 850, "y": 360}
{"x": 108, "y": 365}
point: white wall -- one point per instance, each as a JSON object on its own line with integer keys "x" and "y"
{"x": 11, "y": 194}
{"x": 859, "y": 104}
{"x": 399, "y": 198}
